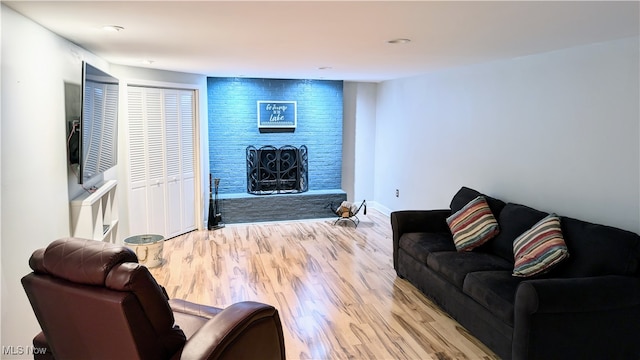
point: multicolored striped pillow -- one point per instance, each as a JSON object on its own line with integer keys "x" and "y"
{"x": 473, "y": 225}
{"x": 539, "y": 248}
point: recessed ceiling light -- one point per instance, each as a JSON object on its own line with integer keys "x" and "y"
{"x": 112, "y": 28}
{"x": 399, "y": 41}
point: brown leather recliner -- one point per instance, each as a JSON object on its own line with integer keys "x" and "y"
{"x": 94, "y": 301}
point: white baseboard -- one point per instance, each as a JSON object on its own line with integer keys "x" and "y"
{"x": 376, "y": 205}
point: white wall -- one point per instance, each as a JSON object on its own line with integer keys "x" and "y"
{"x": 365, "y": 142}
{"x": 557, "y": 131}
{"x": 36, "y": 185}
{"x": 358, "y": 144}
{"x": 34, "y": 193}
{"x": 3, "y": 281}
{"x": 349, "y": 98}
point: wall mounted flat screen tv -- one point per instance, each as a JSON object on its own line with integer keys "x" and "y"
{"x": 98, "y": 128}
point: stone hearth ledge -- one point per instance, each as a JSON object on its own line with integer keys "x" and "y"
{"x": 246, "y": 208}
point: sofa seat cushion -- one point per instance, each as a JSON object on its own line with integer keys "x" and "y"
{"x": 454, "y": 266}
{"x": 420, "y": 245}
{"x": 495, "y": 290}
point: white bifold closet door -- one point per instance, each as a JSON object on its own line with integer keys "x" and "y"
{"x": 161, "y": 160}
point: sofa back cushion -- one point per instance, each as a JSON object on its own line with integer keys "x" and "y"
{"x": 514, "y": 220}
{"x": 465, "y": 195}
{"x": 598, "y": 250}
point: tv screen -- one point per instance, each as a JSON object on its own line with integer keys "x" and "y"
{"x": 98, "y": 136}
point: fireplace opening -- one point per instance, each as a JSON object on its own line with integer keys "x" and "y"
{"x": 272, "y": 170}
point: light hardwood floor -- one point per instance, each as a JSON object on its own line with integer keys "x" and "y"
{"x": 334, "y": 286}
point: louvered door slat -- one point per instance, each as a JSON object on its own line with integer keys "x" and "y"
{"x": 186, "y": 127}
{"x": 188, "y": 189}
{"x": 137, "y": 146}
{"x": 172, "y": 133}
{"x": 155, "y": 134}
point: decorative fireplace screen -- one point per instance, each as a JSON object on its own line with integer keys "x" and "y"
{"x": 277, "y": 170}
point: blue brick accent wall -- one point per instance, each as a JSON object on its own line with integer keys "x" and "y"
{"x": 233, "y": 126}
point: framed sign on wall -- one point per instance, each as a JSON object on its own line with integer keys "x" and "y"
{"x": 277, "y": 114}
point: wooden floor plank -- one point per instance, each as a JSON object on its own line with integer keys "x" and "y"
{"x": 334, "y": 286}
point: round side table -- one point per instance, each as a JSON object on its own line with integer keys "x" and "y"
{"x": 148, "y": 248}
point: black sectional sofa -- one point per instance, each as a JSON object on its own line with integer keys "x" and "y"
{"x": 587, "y": 306}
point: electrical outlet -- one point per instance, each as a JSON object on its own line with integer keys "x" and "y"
{"x": 397, "y": 193}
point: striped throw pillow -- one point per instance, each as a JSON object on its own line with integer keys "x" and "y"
{"x": 473, "y": 225}
{"x": 539, "y": 248}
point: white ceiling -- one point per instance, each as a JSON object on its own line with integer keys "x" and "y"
{"x": 293, "y": 39}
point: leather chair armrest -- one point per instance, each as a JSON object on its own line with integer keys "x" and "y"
{"x": 190, "y": 308}
{"x": 410, "y": 221}
{"x": 244, "y": 330}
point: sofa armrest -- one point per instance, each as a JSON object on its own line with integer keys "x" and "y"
{"x": 600, "y": 293}
{"x": 244, "y": 330}
{"x": 415, "y": 221}
{"x": 594, "y": 317}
